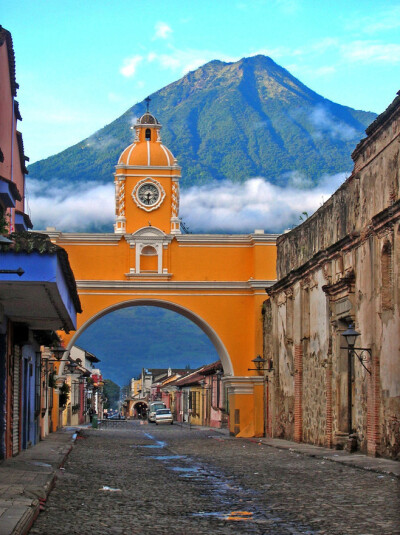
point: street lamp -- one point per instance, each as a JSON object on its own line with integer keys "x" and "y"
{"x": 363, "y": 354}
{"x": 259, "y": 365}
{"x": 58, "y": 352}
{"x": 72, "y": 365}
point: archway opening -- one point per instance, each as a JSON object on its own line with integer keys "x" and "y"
{"x": 149, "y": 333}
{"x": 129, "y": 339}
{"x": 146, "y": 347}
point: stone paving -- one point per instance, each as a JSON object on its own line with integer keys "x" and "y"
{"x": 26, "y": 480}
{"x": 149, "y": 479}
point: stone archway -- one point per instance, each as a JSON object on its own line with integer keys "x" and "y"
{"x": 139, "y": 409}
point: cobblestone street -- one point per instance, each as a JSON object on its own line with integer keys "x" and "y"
{"x": 148, "y": 479}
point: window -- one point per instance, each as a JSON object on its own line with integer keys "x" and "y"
{"x": 386, "y": 277}
{"x": 148, "y": 134}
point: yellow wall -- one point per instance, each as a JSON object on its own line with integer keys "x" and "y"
{"x": 234, "y": 313}
{"x": 218, "y": 281}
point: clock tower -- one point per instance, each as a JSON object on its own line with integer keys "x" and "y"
{"x": 147, "y": 182}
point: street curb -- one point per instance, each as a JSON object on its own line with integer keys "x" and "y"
{"x": 360, "y": 461}
{"x": 22, "y": 507}
{"x": 355, "y": 460}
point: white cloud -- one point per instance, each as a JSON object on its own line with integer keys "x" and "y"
{"x": 371, "y": 52}
{"x": 73, "y": 207}
{"x": 227, "y": 207}
{"x": 221, "y": 207}
{"x": 325, "y": 124}
{"x": 273, "y": 53}
{"x": 387, "y": 20}
{"x": 163, "y": 31}
{"x": 186, "y": 60}
{"x": 325, "y": 70}
{"x": 101, "y": 142}
{"x": 130, "y": 64}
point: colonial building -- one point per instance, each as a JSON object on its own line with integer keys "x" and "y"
{"x": 37, "y": 288}
{"x": 341, "y": 268}
{"x": 215, "y": 280}
{"x": 199, "y": 397}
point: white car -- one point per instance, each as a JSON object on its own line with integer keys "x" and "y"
{"x": 153, "y": 407}
{"x": 164, "y": 416}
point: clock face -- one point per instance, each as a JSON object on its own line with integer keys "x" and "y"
{"x": 148, "y": 194}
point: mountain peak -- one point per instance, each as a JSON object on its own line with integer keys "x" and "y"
{"x": 229, "y": 121}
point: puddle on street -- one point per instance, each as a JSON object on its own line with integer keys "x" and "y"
{"x": 234, "y": 516}
{"x": 226, "y": 493}
{"x": 159, "y": 444}
{"x": 168, "y": 457}
{"x": 192, "y": 469}
{"x": 40, "y": 463}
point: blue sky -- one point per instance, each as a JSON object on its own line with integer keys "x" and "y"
{"x": 80, "y": 64}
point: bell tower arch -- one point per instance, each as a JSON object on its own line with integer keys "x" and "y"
{"x": 217, "y": 280}
{"x": 147, "y": 182}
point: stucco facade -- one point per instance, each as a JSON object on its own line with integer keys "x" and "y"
{"x": 215, "y": 280}
{"x": 341, "y": 267}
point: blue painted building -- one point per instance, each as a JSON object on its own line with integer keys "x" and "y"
{"x": 38, "y": 293}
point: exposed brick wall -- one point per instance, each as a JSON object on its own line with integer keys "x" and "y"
{"x": 298, "y": 393}
{"x": 374, "y": 406}
{"x": 328, "y": 406}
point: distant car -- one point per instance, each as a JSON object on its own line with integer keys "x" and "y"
{"x": 116, "y": 416}
{"x": 153, "y": 407}
{"x": 164, "y": 416}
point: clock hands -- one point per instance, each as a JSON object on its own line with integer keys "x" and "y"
{"x": 148, "y": 194}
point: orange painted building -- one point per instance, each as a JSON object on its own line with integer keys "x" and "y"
{"x": 217, "y": 281}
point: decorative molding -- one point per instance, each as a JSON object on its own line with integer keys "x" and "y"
{"x": 175, "y": 198}
{"x": 148, "y": 275}
{"x": 199, "y": 240}
{"x": 242, "y": 385}
{"x": 174, "y": 285}
{"x": 184, "y": 240}
{"x": 161, "y": 191}
{"x": 81, "y": 238}
{"x": 260, "y": 283}
{"x": 155, "y": 167}
{"x": 341, "y": 288}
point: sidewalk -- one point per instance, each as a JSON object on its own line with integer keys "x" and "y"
{"x": 27, "y": 479}
{"x": 356, "y": 460}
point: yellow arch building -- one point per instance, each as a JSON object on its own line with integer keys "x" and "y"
{"x": 217, "y": 281}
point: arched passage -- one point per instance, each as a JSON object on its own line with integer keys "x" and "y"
{"x": 195, "y": 318}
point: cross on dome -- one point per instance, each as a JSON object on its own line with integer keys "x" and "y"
{"x": 147, "y": 100}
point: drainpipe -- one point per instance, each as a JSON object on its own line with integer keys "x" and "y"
{"x": 12, "y": 148}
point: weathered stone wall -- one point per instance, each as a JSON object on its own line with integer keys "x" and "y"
{"x": 342, "y": 266}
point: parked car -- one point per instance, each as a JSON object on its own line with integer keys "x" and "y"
{"x": 164, "y": 416}
{"x": 117, "y": 416}
{"x": 153, "y": 407}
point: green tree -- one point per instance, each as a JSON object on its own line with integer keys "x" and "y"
{"x": 111, "y": 391}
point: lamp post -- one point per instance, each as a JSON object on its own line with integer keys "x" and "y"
{"x": 58, "y": 352}
{"x": 259, "y": 367}
{"x": 363, "y": 354}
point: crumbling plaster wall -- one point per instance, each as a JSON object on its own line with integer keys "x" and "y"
{"x": 338, "y": 256}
